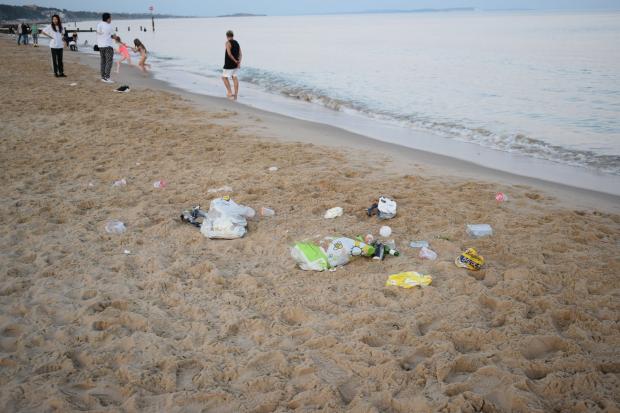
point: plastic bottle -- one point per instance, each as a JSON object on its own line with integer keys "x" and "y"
{"x": 267, "y": 212}
{"x": 115, "y": 227}
{"x": 479, "y": 230}
{"x": 160, "y": 184}
{"x": 428, "y": 254}
{"x": 418, "y": 244}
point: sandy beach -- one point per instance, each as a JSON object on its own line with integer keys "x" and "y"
{"x": 186, "y": 324}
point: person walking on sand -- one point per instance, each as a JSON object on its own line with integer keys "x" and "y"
{"x": 106, "y": 50}
{"x": 54, "y": 32}
{"x": 123, "y": 50}
{"x": 232, "y": 63}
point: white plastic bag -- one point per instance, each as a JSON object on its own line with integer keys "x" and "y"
{"x": 333, "y": 213}
{"x": 386, "y": 207}
{"x": 226, "y": 219}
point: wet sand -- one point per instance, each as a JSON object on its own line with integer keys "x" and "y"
{"x": 187, "y": 324}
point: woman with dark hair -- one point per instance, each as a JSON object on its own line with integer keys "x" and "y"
{"x": 54, "y": 32}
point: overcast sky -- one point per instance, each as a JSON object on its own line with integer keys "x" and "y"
{"x": 275, "y": 7}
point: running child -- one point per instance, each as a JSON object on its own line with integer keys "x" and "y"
{"x": 123, "y": 50}
{"x": 139, "y": 48}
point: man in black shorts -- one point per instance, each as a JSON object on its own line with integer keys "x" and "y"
{"x": 232, "y": 62}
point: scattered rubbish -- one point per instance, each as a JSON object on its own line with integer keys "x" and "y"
{"x": 501, "y": 197}
{"x": 126, "y": 252}
{"x": 409, "y": 279}
{"x": 226, "y": 219}
{"x": 122, "y": 89}
{"x": 267, "y": 212}
{"x": 419, "y": 244}
{"x": 91, "y": 184}
{"x": 470, "y": 260}
{"x": 385, "y": 208}
{"x": 333, "y": 213}
{"x": 381, "y": 249}
{"x": 273, "y": 168}
{"x": 385, "y": 231}
{"x": 160, "y": 184}
{"x": 479, "y": 230}
{"x": 428, "y": 254}
{"x": 391, "y": 243}
{"x": 329, "y": 253}
{"x": 120, "y": 182}
{"x": 115, "y": 227}
{"x": 194, "y": 216}
{"x": 73, "y": 84}
{"x": 222, "y": 189}
{"x": 368, "y": 239}
{"x": 137, "y": 163}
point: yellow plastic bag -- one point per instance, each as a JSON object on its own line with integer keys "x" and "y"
{"x": 409, "y": 279}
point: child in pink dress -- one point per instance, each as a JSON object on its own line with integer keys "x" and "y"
{"x": 123, "y": 50}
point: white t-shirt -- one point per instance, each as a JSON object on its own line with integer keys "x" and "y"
{"x": 56, "y": 40}
{"x": 104, "y": 34}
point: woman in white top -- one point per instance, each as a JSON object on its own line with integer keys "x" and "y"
{"x": 54, "y": 32}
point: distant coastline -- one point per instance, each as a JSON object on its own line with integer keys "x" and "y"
{"x": 9, "y": 13}
{"x": 242, "y": 15}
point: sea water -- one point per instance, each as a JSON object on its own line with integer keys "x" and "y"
{"x": 540, "y": 85}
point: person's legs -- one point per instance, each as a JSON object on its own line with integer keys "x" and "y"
{"x": 236, "y": 83}
{"x": 102, "y": 62}
{"x": 19, "y": 39}
{"x": 55, "y": 60}
{"x": 61, "y": 68}
{"x": 109, "y": 53}
{"x": 227, "y": 84}
{"x": 26, "y": 39}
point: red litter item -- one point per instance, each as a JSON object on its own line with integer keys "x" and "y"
{"x": 501, "y": 197}
{"x": 160, "y": 184}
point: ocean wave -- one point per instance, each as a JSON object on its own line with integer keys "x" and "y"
{"x": 517, "y": 142}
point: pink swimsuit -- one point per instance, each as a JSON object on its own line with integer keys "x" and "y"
{"x": 122, "y": 49}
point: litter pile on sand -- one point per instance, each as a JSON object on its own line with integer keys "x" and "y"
{"x": 182, "y": 323}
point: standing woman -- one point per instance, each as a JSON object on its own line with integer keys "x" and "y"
{"x": 54, "y": 32}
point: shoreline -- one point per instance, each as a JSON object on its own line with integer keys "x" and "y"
{"x": 306, "y": 131}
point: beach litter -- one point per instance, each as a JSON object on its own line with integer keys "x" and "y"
{"x": 73, "y": 84}
{"x": 120, "y": 182}
{"x": 122, "y": 89}
{"x": 160, "y": 184}
{"x": 273, "y": 168}
{"x": 385, "y": 231}
{"x": 226, "y": 219}
{"x": 267, "y": 212}
{"x": 115, "y": 227}
{"x": 329, "y": 253}
{"x": 194, "y": 216}
{"x": 470, "y": 259}
{"x": 419, "y": 244}
{"x": 479, "y": 230}
{"x": 126, "y": 252}
{"x": 409, "y": 279}
{"x": 501, "y": 197}
{"x": 333, "y": 213}
{"x": 385, "y": 208}
{"x": 225, "y": 188}
{"x": 427, "y": 254}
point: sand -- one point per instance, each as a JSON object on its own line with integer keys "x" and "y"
{"x": 187, "y": 324}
